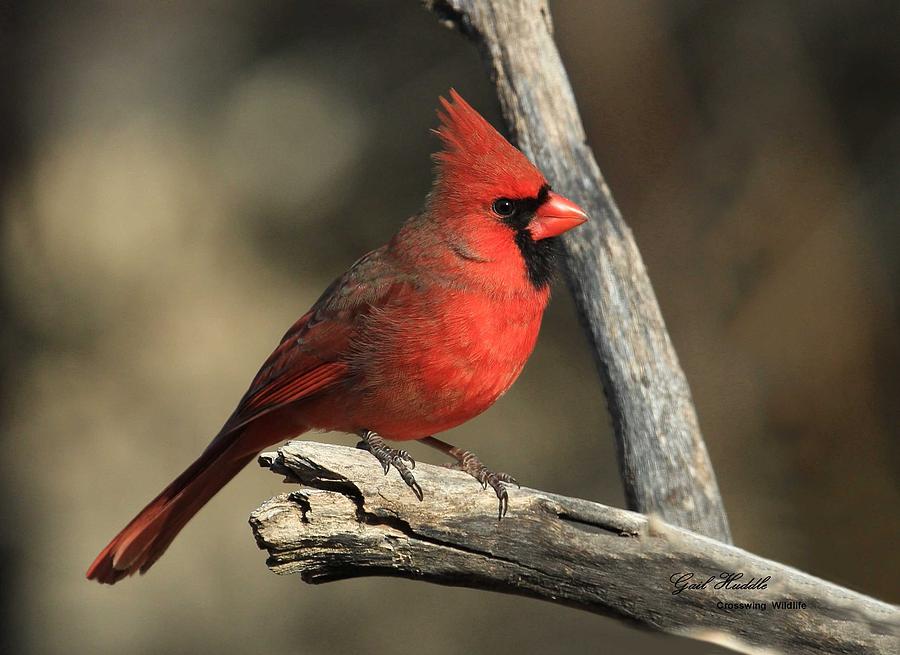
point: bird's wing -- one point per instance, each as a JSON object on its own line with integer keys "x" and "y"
{"x": 313, "y": 353}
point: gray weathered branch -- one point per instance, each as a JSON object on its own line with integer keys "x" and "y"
{"x": 356, "y": 521}
{"x": 665, "y": 467}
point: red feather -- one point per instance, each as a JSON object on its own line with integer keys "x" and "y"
{"x": 415, "y": 338}
{"x": 477, "y": 163}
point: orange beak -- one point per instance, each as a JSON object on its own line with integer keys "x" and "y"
{"x": 555, "y": 216}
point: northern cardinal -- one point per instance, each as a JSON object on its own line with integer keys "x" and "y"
{"x": 415, "y": 338}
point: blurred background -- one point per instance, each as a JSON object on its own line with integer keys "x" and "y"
{"x": 179, "y": 181}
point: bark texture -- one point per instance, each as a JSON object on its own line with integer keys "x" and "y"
{"x": 354, "y": 521}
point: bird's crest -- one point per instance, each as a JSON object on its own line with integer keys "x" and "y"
{"x": 477, "y": 158}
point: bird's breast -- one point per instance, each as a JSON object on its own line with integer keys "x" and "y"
{"x": 429, "y": 365}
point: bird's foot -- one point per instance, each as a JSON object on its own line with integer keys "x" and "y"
{"x": 399, "y": 459}
{"x": 468, "y": 462}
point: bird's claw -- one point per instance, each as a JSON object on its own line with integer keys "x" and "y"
{"x": 473, "y": 466}
{"x": 496, "y": 482}
{"x": 388, "y": 457}
{"x": 406, "y": 457}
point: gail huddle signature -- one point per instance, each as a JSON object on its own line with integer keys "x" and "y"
{"x": 725, "y": 580}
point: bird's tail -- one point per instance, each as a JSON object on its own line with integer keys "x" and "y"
{"x": 146, "y": 537}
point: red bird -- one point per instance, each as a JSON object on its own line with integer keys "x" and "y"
{"x": 417, "y": 337}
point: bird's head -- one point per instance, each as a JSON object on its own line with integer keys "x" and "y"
{"x": 495, "y": 205}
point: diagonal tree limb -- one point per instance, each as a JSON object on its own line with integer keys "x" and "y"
{"x": 357, "y": 522}
{"x": 664, "y": 463}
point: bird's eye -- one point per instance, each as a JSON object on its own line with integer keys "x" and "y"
{"x": 503, "y": 207}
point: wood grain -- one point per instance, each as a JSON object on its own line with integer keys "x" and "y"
{"x": 355, "y": 521}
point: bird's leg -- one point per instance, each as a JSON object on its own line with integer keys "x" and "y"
{"x": 468, "y": 462}
{"x": 388, "y": 457}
